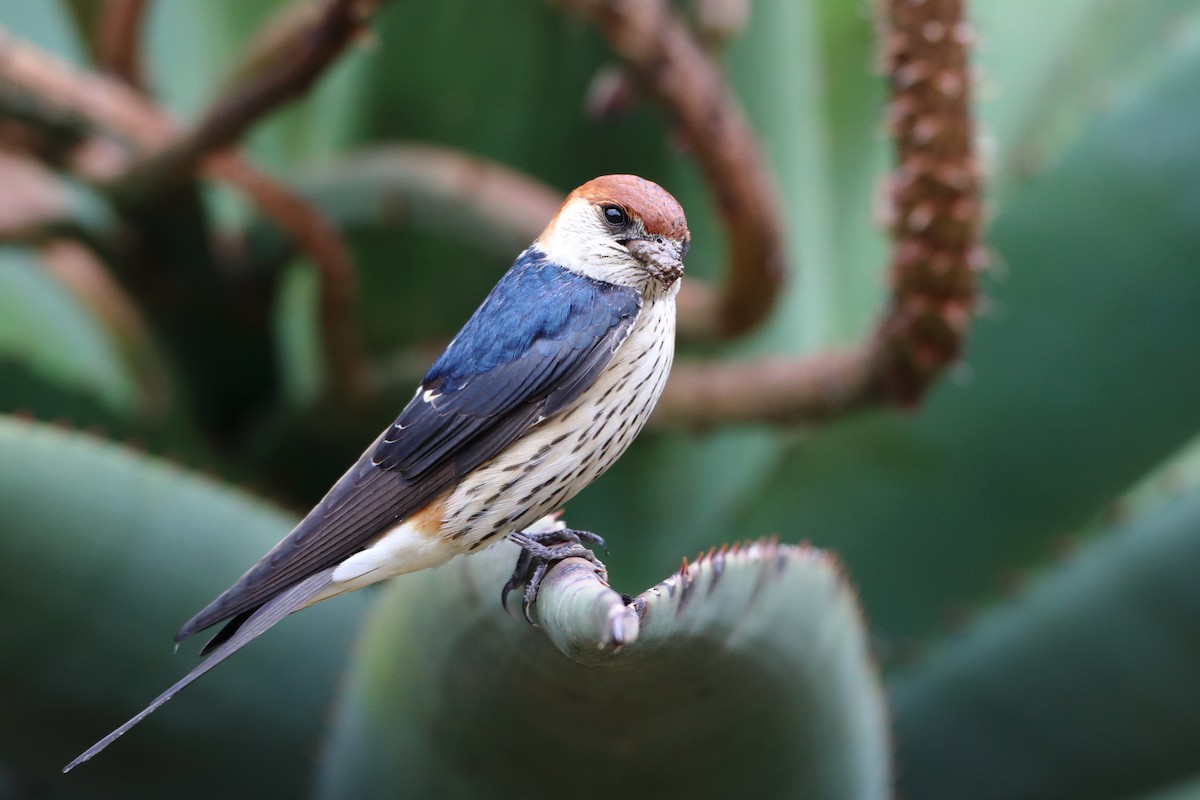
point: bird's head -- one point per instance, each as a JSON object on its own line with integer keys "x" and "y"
{"x": 620, "y": 229}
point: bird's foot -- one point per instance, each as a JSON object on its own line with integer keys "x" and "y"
{"x": 542, "y": 550}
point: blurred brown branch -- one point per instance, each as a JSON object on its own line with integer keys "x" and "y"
{"x": 936, "y": 215}
{"x": 313, "y": 43}
{"x": 720, "y": 21}
{"x": 935, "y": 224}
{"x": 779, "y": 389}
{"x": 54, "y": 90}
{"x": 117, "y": 37}
{"x": 672, "y": 66}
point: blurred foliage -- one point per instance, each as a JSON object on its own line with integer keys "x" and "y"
{"x": 1071, "y": 425}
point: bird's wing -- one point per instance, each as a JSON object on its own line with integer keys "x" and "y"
{"x": 540, "y": 338}
{"x": 524, "y": 353}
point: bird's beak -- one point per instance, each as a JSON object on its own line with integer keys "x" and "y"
{"x": 662, "y": 257}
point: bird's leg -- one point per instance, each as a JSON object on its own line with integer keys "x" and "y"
{"x": 542, "y": 550}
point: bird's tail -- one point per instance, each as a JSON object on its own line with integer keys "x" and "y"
{"x": 265, "y": 617}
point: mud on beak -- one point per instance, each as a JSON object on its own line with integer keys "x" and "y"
{"x": 662, "y": 257}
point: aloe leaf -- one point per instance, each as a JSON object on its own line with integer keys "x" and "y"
{"x": 745, "y": 674}
{"x": 103, "y": 553}
{"x": 1085, "y": 687}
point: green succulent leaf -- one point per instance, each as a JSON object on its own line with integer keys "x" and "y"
{"x": 103, "y": 553}
{"x": 1086, "y": 687}
{"x": 746, "y": 673}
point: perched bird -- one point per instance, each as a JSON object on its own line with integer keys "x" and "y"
{"x": 538, "y": 394}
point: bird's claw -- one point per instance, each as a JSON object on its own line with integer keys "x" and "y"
{"x": 539, "y": 552}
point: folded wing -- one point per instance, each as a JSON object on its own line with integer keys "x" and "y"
{"x": 541, "y": 337}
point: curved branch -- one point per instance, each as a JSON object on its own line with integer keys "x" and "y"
{"x": 116, "y": 40}
{"x": 781, "y": 389}
{"x": 936, "y": 216}
{"x": 936, "y": 228}
{"x": 673, "y": 67}
{"x": 57, "y": 90}
{"x": 312, "y": 47}
{"x": 38, "y": 210}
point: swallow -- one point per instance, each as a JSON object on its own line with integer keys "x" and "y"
{"x": 540, "y": 392}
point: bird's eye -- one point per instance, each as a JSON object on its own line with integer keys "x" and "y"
{"x": 615, "y": 216}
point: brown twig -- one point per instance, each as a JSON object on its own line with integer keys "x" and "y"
{"x": 116, "y": 40}
{"x": 935, "y": 226}
{"x": 37, "y": 208}
{"x": 674, "y": 68}
{"x": 27, "y": 127}
{"x": 703, "y": 394}
{"x": 314, "y": 46}
{"x": 60, "y": 91}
